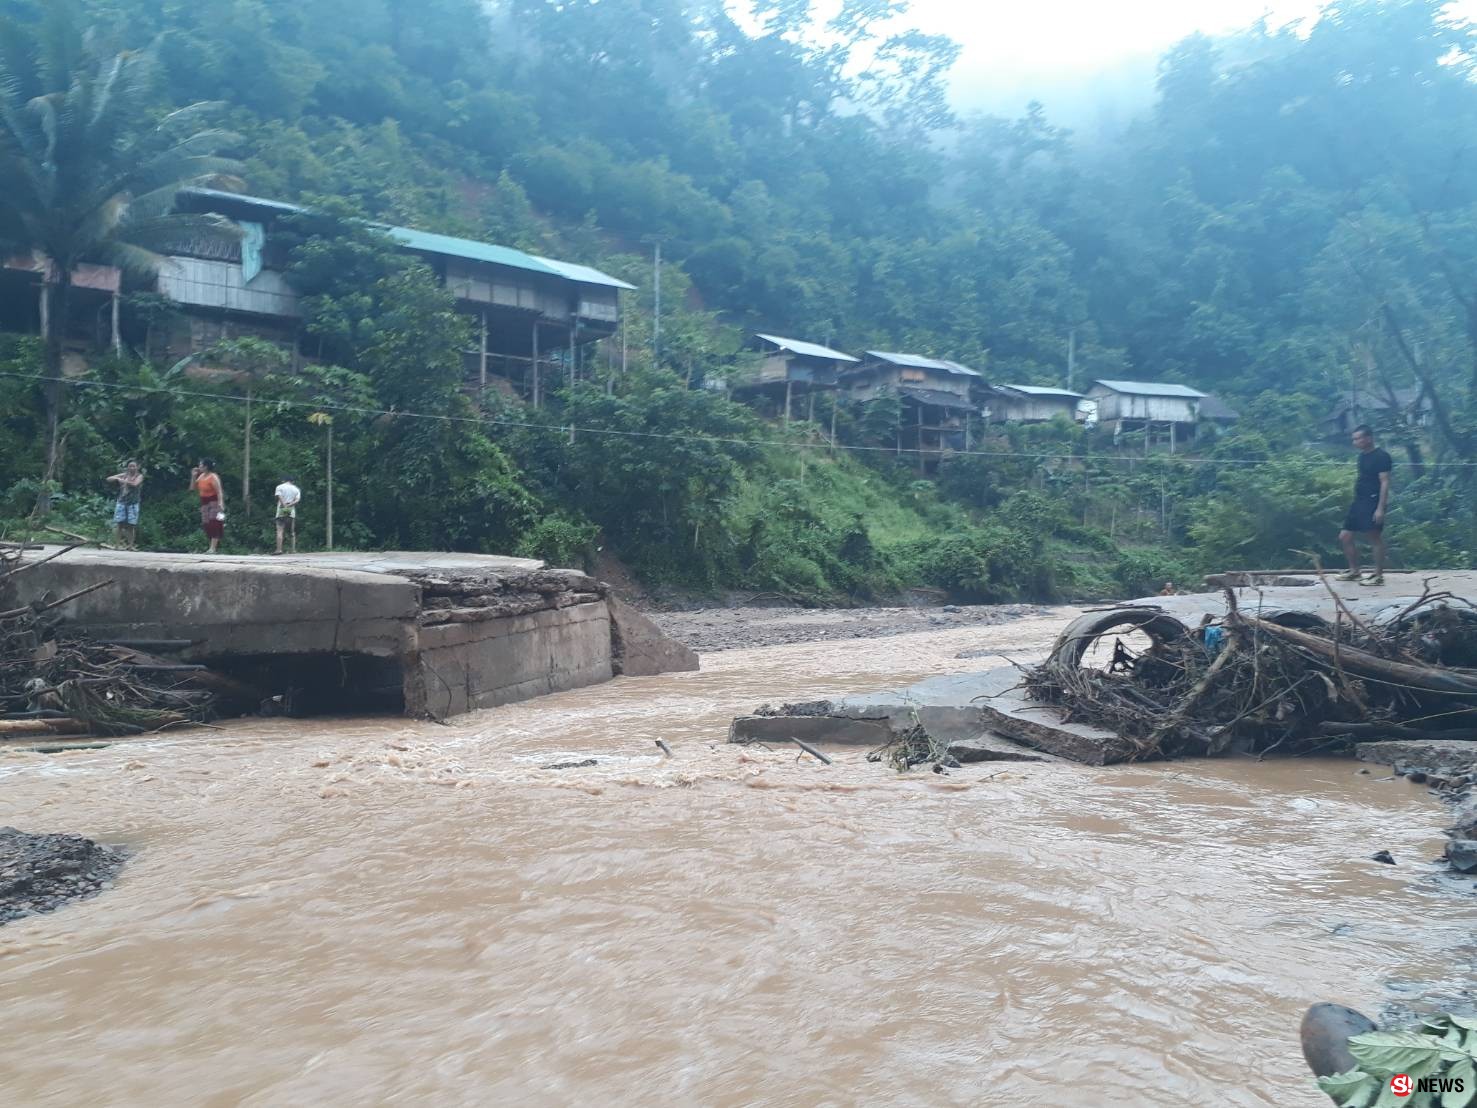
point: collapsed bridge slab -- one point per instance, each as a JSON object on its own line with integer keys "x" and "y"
{"x": 434, "y": 634}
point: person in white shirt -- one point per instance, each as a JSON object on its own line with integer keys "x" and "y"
{"x": 288, "y": 494}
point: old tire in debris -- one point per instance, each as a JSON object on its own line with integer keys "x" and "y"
{"x": 1083, "y": 631}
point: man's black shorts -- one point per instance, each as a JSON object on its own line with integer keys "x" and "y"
{"x": 1360, "y": 519}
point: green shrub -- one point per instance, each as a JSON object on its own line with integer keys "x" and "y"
{"x": 560, "y": 541}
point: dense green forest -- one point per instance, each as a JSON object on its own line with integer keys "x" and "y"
{"x": 1294, "y": 217}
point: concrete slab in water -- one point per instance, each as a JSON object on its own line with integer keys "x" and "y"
{"x": 1443, "y": 757}
{"x": 949, "y": 708}
{"x": 518, "y": 629}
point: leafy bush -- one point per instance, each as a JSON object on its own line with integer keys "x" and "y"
{"x": 1445, "y": 1048}
{"x": 560, "y": 541}
{"x": 1144, "y": 572}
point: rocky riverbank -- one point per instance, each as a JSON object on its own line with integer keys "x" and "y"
{"x": 40, "y": 873}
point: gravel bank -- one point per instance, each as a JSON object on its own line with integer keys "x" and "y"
{"x": 712, "y": 629}
{"x": 40, "y": 873}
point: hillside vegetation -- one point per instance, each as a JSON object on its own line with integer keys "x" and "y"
{"x": 1296, "y": 216}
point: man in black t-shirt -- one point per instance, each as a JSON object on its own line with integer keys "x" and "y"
{"x": 1367, "y": 514}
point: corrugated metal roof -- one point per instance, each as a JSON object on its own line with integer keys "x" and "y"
{"x": 450, "y": 247}
{"x": 808, "y": 349}
{"x": 1151, "y": 388}
{"x": 584, "y": 274}
{"x": 937, "y": 398}
{"x": 1040, "y": 390}
{"x": 431, "y": 243}
{"x": 241, "y": 198}
{"x": 917, "y": 361}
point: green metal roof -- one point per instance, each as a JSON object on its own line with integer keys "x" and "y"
{"x": 450, "y": 247}
{"x": 584, "y": 274}
{"x": 427, "y": 242}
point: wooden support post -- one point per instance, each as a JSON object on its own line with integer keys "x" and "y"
{"x": 482, "y": 354}
{"x": 920, "y": 438}
{"x": 536, "y": 396}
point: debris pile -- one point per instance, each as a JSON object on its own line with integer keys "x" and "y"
{"x": 1290, "y": 682}
{"x": 54, "y": 682}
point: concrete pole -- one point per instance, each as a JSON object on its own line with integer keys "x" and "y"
{"x": 328, "y": 514}
{"x": 117, "y": 334}
{"x": 482, "y": 355}
{"x": 656, "y": 319}
{"x": 789, "y": 385}
{"x": 536, "y": 398}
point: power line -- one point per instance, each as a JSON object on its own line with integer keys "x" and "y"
{"x": 576, "y": 429}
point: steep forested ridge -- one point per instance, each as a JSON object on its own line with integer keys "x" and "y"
{"x": 1296, "y": 215}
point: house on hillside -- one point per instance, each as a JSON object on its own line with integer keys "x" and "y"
{"x": 1215, "y": 410}
{"x": 533, "y": 318}
{"x": 1032, "y": 404}
{"x": 1411, "y": 406}
{"x": 1153, "y": 407}
{"x": 792, "y": 368}
{"x": 92, "y": 321}
{"x": 937, "y": 397}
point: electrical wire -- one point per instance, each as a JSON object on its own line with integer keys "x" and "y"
{"x": 572, "y": 430}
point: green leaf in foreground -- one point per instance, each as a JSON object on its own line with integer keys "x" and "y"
{"x": 1350, "y": 1090}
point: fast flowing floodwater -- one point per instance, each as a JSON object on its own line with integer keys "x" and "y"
{"x": 378, "y": 911}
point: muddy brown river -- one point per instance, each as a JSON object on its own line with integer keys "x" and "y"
{"x": 379, "y": 911}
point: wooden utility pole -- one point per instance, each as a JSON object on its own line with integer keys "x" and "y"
{"x": 328, "y": 507}
{"x": 656, "y": 315}
{"x": 482, "y": 355}
{"x": 536, "y": 397}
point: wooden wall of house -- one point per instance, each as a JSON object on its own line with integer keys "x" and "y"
{"x": 1031, "y": 409}
{"x": 206, "y": 283}
{"x": 600, "y": 303}
{"x": 1115, "y": 406}
{"x": 507, "y": 288}
{"x": 875, "y": 380}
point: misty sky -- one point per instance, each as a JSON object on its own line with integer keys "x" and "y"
{"x": 1072, "y": 52}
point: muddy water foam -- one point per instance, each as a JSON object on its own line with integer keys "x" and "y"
{"x": 377, "y": 911}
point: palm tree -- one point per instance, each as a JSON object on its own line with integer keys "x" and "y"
{"x": 85, "y": 176}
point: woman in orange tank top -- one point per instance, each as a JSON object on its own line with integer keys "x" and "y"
{"x": 206, "y": 482}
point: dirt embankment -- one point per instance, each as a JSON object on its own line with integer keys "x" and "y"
{"x": 712, "y": 629}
